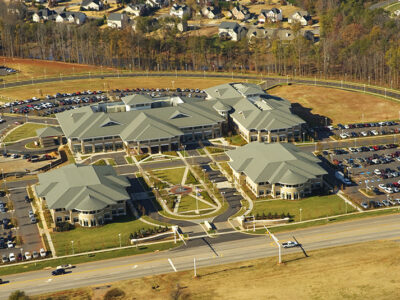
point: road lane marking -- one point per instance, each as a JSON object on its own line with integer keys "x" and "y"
{"x": 172, "y": 265}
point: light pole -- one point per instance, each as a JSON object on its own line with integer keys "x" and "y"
{"x": 22, "y": 251}
{"x": 254, "y": 223}
{"x": 72, "y": 245}
{"x": 119, "y": 235}
{"x": 300, "y": 214}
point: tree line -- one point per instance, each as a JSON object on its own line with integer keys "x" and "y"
{"x": 356, "y": 43}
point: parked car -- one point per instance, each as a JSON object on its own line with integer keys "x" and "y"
{"x": 28, "y": 256}
{"x": 35, "y": 254}
{"x": 364, "y": 205}
{"x": 11, "y": 257}
{"x": 42, "y": 252}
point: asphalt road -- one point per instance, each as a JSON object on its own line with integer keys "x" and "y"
{"x": 224, "y": 249}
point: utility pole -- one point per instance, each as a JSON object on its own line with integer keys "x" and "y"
{"x": 194, "y": 267}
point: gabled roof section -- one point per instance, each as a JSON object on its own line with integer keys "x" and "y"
{"x": 177, "y": 115}
{"x": 275, "y": 163}
{"x": 84, "y": 188}
{"x": 49, "y": 132}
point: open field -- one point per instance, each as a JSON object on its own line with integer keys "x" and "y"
{"x": 39, "y": 90}
{"x": 392, "y": 7}
{"x": 24, "y": 131}
{"x": 32, "y": 68}
{"x": 312, "y": 207}
{"x": 90, "y": 239}
{"x": 338, "y": 105}
{"x": 334, "y": 273}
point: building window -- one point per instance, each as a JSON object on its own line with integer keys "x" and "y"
{"x": 76, "y": 220}
{"x": 85, "y": 223}
{"x": 66, "y": 218}
{"x": 92, "y": 222}
{"x": 58, "y": 219}
{"x": 114, "y": 212}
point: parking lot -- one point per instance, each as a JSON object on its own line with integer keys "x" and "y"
{"x": 375, "y": 168}
{"x": 26, "y": 229}
{"x": 51, "y": 104}
{"x": 359, "y": 130}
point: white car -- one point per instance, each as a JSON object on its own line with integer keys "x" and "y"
{"x": 389, "y": 190}
{"x": 28, "y": 256}
{"x": 352, "y": 149}
{"x": 377, "y": 172}
{"x": 290, "y": 244}
{"x": 346, "y": 126}
{"x": 363, "y": 133}
{"x": 343, "y": 136}
{"x": 42, "y": 252}
{"x": 374, "y": 132}
{"x": 10, "y": 244}
{"x": 11, "y": 257}
{"x": 381, "y": 186}
{"x": 67, "y": 266}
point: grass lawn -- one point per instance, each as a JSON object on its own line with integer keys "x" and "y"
{"x": 190, "y": 179}
{"x": 352, "y": 272}
{"x": 23, "y": 131}
{"x": 201, "y": 151}
{"x": 31, "y": 145}
{"x": 236, "y": 140}
{"x": 338, "y": 105}
{"x": 189, "y": 203}
{"x": 89, "y": 239}
{"x": 111, "y": 162}
{"x": 215, "y": 150}
{"x": 129, "y": 159}
{"x": 171, "y": 153}
{"x": 173, "y": 176}
{"x": 312, "y": 207}
{"x": 100, "y": 162}
{"x": 393, "y": 7}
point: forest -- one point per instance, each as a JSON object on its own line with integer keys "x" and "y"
{"x": 356, "y": 43}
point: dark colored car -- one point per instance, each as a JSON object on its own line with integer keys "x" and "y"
{"x": 58, "y": 272}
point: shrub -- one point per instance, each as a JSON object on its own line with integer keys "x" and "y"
{"x": 64, "y": 226}
{"x": 114, "y": 294}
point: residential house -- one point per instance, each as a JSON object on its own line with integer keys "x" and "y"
{"x": 277, "y": 170}
{"x": 85, "y": 195}
{"x": 232, "y": 31}
{"x": 241, "y": 13}
{"x": 256, "y": 33}
{"x": 92, "y": 4}
{"x": 155, "y": 4}
{"x": 117, "y": 20}
{"x": 71, "y": 17}
{"x": 43, "y": 15}
{"x": 136, "y": 9}
{"x": 303, "y": 17}
{"x": 209, "y": 12}
{"x": 270, "y": 15}
{"x": 179, "y": 11}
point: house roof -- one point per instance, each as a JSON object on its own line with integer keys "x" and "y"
{"x": 275, "y": 163}
{"x": 81, "y": 187}
{"x": 87, "y": 2}
{"x": 229, "y": 25}
{"x": 137, "y": 99}
{"x": 116, "y": 17}
{"x": 49, "y": 132}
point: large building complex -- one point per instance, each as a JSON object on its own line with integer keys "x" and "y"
{"x": 88, "y": 195}
{"x": 258, "y": 115}
{"x": 146, "y": 124}
{"x": 277, "y": 170}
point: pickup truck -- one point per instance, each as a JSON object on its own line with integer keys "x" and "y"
{"x": 290, "y": 244}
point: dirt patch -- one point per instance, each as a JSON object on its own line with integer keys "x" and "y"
{"x": 33, "y": 68}
{"x": 339, "y": 106}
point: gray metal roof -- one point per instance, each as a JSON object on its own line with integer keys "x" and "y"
{"x": 49, "y": 131}
{"x": 138, "y": 125}
{"x": 275, "y": 163}
{"x": 81, "y": 187}
{"x": 137, "y": 99}
{"x": 253, "y": 108}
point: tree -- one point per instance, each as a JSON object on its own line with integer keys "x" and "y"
{"x": 18, "y": 295}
